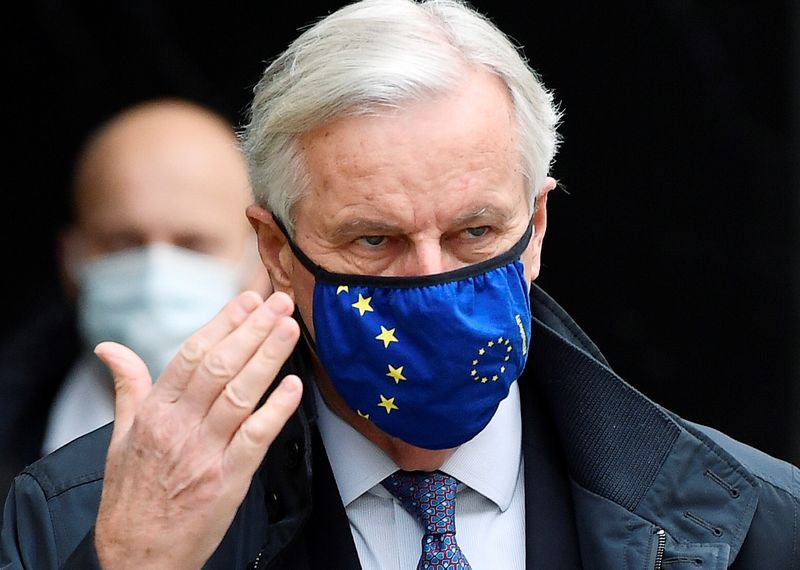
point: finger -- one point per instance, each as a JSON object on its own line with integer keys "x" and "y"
{"x": 240, "y": 396}
{"x": 172, "y": 382}
{"x": 251, "y": 441}
{"x": 132, "y": 382}
{"x": 225, "y": 360}
{"x": 268, "y": 288}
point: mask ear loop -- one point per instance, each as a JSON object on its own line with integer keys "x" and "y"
{"x": 304, "y": 330}
{"x": 313, "y": 268}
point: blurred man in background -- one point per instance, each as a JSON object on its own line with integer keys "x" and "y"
{"x": 157, "y": 244}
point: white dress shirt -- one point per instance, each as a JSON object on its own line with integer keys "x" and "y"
{"x": 490, "y": 501}
{"x": 84, "y": 402}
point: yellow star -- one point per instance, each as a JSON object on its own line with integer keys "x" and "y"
{"x": 473, "y": 373}
{"x": 509, "y": 349}
{"x": 502, "y": 369}
{"x": 482, "y": 351}
{"x": 387, "y": 336}
{"x": 388, "y": 404}
{"x": 490, "y": 344}
{"x": 494, "y": 378}
{"x": 396, "y": 373}
{"x": 506, "y": 359}
{"x": 499, "y": 339}
{"x": 484, "y": 380}
{"x": 362, "y": 304}
{"x": 475, "y": 362}
{"x": 342, "y": 289}
{"x": 363, "y": 415}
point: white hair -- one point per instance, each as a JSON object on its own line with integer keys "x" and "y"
{"x": 377, "y": 53}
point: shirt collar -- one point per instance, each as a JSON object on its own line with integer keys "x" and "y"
{"x": 489, "y": 463}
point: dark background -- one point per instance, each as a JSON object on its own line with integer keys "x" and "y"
{"x": 675, "y": 244}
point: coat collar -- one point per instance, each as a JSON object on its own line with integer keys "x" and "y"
{"x": 631, "y": 456}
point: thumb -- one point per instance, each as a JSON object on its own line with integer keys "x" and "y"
{"x": 132, "y": 382}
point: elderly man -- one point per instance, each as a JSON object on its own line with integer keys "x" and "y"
{"x": 399, "y": 152}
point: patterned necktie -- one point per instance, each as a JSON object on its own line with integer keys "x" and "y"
{"x": 431, "y": 498}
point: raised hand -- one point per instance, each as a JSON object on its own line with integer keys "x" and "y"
{"x": 184, "y": 450}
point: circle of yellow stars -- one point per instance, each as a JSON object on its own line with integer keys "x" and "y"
{"x": 501, "y": 343}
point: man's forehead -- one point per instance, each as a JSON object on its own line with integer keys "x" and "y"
{"x": 443, "y": 163}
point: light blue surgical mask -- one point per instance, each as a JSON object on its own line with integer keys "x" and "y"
{"x": 152, "y": 298}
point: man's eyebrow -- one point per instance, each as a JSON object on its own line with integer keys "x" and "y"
{"x": 364, "y": 227}
{"x": 373, "y": 227}
{"x": 482, "y": 215}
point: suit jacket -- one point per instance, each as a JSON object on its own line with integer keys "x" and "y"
{"x": 612, "y": 480}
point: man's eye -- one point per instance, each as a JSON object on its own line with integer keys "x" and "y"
{"x": 477, "y": 231}
{"x": 373, "y": 241}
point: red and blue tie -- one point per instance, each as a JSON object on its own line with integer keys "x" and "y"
{"x": 431, "y": 498}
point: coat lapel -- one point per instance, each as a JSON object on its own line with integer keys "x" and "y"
{"x": 551, "y": 538}
{"x": 330, "y": 542}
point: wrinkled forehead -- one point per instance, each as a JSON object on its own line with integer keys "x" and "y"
{"x": 435, "y": 163}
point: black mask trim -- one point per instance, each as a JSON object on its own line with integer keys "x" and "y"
{"x": 324, "y": 276}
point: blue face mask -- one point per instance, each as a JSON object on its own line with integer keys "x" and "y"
{"x": 428, "y": 358}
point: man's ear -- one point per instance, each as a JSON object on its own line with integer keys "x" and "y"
{"x": 533, "y": 255}
{"x": 273, "y": 248}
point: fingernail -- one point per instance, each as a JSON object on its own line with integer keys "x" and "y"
{"x": 288, "y": 386}
{"x": 249, "y": 301}
{"x": 285, "y": 331}
{"x": 277, "y": 304}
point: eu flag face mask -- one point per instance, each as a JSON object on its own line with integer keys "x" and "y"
{"x": 427, "y": 359}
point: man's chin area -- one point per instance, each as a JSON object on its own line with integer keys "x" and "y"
{"x": 412, "y": 458}
{"x": 406, "y": 456}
